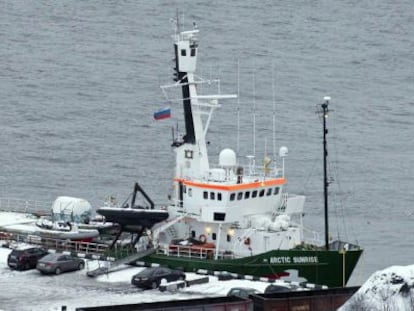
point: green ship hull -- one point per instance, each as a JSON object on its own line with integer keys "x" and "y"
{"x": 322, "y": 267}
{"x": 234, "y": 204}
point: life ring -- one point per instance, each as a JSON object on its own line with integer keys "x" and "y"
{"x": 202, "y": 238}
{"x": 247, "y": 241}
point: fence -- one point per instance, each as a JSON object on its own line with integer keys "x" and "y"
{"x": 25, "y": 206}
{"x": 56, "y": 244}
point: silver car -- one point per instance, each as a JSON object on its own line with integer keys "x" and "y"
{"x": 58, "y": 263}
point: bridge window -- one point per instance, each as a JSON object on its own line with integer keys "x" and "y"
{"x": 212, "y": 195}
{"x": 183, "y": 52}
{"x": 269, "y": 191}
{"x": 276, "y": 191}
{"x": 247, "y": 194}
{"x": 261, "y": 193}
{"x": 219, "y": 196}
{"x": 214, "y": 236}
{"x": 239, "y": 195}
{"x": 205, "y": 195}
{"x": 219, "y": 216}
{"x": 193, "y": 52}
{"x": 232, "y": 196}
{"x": 254, "y": 194}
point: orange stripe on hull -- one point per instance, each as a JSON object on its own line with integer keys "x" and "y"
{"x": 234, "y": 187}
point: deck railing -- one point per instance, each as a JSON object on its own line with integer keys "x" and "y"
{"x": 24, "y": 206}
{"x": 312, "y": 237}
{"x": 193, "y": 252}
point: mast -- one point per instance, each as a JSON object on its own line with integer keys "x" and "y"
{"x": 191, "y": 152}
{"x": 185, "y": 65}
{"x": 325, "y": 111}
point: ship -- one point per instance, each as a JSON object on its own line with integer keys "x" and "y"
{"x": 234, "y": 216}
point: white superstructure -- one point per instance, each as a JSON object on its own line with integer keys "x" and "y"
{"x": 239, "y": 210}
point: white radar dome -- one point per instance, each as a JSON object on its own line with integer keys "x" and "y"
{"x": 227, "y": 158}
{"x": 283, "y": 152}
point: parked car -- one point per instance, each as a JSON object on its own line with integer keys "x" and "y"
{"x": 151, "y": 277}
{"x": 242, "y": 292}
{"x": 24, "y": 259}
{"x": 58, "y": 263}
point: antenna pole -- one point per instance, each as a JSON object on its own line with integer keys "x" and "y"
{"x": 254, "y": 114}
{"x": 325, "y": 111}
{"x": 238, "y": 106}
{"x": 274, "y": 113}
{"x": 178, "y": 22}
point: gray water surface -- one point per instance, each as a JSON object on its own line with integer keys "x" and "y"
{"x": 79, "y": 82}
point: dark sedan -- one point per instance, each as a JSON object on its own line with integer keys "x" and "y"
{"x": 58, "y": 263}
{"x": 151, "y": 277}
{"x": 24, "y": 259}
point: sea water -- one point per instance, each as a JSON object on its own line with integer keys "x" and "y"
{"x": 79, "y": 82}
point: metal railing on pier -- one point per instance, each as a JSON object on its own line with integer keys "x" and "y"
{"x": 56, "y": 244}
{"x": 25, "y": 206}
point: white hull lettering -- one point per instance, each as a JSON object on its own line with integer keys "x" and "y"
{"x": 280, "y": 260}
{"x": 297, "y": 260}
{"x": 312, "y": 259}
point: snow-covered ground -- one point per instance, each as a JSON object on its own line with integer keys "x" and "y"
{"x": 391, "y": 289}
{"x": 29, "y": 290}
{"x": 11, "y": 218}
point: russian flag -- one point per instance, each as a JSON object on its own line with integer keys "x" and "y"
{"x": 162, "y": 114}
